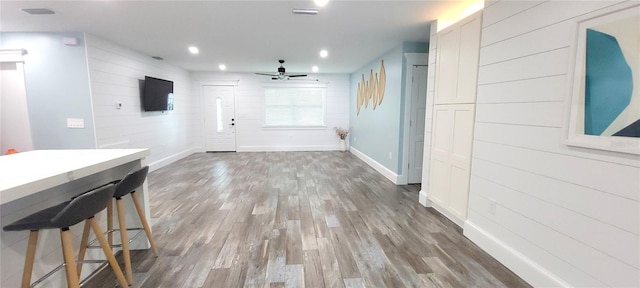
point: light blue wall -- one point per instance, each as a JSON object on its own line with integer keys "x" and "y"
{"x": 57, "y": 85}
{"x": 376, "y": 133}
{"x": 379, "y": 132}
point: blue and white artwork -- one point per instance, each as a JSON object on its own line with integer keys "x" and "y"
{"x": 605, "y": 87}
{"x": 611, "y": 78}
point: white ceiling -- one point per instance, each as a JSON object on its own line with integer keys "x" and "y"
{"x": 247, "y": 36}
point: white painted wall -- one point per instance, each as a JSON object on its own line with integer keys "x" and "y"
{"x": 57, "y": 88}
{"x": 428, "y": 121}
{"x": 565, "y": 216}
{"x": 115, "y": 74}
{"x": 250, "y": 133}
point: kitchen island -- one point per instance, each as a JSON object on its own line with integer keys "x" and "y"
{"x": 34, "y": 180}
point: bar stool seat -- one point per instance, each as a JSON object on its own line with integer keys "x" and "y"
{"x": 63, "y": 216}
{"x": 126, "y": 186}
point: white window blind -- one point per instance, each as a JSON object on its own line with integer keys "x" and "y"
{"x": 294, "y": 107}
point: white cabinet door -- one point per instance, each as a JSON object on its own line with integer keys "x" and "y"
{"x": 458, "y": 55}
{"x": 454, "y": 116}
{"x": 451, "y": 157}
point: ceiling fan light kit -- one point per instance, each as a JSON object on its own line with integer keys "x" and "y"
{"x": 282, "y": 73}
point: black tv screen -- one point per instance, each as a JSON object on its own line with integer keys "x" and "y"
{"x": 158, "y": 94}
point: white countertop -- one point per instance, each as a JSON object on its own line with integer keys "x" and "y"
{"x": 26, "y": 173}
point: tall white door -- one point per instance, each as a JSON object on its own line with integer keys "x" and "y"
{"x": 219, "y": 117}
{"x": 416, "y": 134}
{"x": 15, "y": 127}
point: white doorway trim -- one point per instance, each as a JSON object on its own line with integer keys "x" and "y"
{"x": 412, "y": 59}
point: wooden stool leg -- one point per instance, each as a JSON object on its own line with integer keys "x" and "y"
{"x": 83, "y": 246}
{"x": 107, "y": 252}
{"x": 110, "y": 222}
{"x": 69, "y": 259}
{"x": 145, "y": 224}
{"x": 28, "y": 261}
{"x": 124, "y": 238}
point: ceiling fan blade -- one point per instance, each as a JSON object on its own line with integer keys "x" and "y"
{"x": 265, "y": 74}
{"x": 298, "y": 75}
{"x": 306, "y": 79}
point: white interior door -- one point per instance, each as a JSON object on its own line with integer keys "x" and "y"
{"x": 219, "y": 117}
{"x": 416, "y": 134}
{"x": 15, "y": 127}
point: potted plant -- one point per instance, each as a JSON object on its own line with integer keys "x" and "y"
{"x": 342, "y": 134}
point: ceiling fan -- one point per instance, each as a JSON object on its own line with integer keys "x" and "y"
{"x": 282, "y": 74}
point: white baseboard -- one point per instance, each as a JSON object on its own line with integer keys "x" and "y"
{"x": 173, "y": 158}
{"x": 375, "y": 165}
{"x": 423, "y": 199}
{"x": 447, "y": 214}
{"x": 299, "y": 148}
{"x": 524, "y": 267}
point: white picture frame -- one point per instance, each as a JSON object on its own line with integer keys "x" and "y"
{"x": 621, "y": 25}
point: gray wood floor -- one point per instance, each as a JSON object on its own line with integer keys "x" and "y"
{"x": 299, "y": 219}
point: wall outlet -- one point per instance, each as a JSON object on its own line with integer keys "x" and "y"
{"x": 75, "y": 123}
{"x": 390, "y": 156}
{"x": 492, "y": 207}
{"x": 118, "y": 105}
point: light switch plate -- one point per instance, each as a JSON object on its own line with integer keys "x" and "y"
{"x": 75, "y": 123}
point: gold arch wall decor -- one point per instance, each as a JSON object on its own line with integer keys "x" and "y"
{"x": 372, "y": 89}
{"x": 358, "y": 100}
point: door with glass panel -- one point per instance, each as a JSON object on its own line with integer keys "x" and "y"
{"x": 219, "y": 117}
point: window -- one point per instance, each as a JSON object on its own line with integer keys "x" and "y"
{"x": 220, "y": 128}
{"x": 294, "y": 106}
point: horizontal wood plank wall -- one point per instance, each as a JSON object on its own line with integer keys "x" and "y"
{"x": 251, "y": 135}
{"x": 115, "y": 73}
{"x": 564, "y": 215}
{"x": 428, "y": 121}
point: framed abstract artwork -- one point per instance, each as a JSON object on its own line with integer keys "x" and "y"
{"x": 605, "y": 90}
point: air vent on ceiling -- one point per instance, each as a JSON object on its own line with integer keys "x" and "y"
{"x": 38, "y": 11}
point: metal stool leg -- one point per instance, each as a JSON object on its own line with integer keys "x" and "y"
{"x": 69, "y": 258}
{"x": 145, "y": 224}
{"x": 125, "y": 240}
{"x": 28, "y": 262}
{"x": 107, "y": 252}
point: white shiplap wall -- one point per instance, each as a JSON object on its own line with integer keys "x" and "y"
{"x": 428, "y": 122}
{"x": 565, "y": 216}
{"x": 115, "y": 73}
{"x": 250, "y": 133}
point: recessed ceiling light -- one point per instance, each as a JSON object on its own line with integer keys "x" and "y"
{"x": 315, "y": 69}
{"x": 324, "y": 53}
{"x": 38, "y": 11}
{"x": 321, "y": 3}
{"x": 194, "y": 50}
{"x": 222, "y": 67}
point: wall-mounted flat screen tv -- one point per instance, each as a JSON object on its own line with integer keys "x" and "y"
{"x": 158, "y": 94}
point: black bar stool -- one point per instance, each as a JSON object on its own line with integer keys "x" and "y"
{"x": 127, "y": 185}
{"x": 63, "y": 216}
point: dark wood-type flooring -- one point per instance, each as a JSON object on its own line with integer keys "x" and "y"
{"x": 299, "y": 219}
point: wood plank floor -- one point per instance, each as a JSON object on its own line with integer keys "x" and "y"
{"x": 299, "y": 219}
